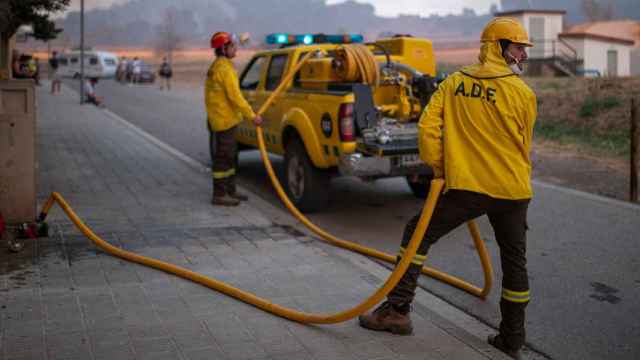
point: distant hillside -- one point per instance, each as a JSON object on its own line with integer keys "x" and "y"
{"x": 136, "y": 23}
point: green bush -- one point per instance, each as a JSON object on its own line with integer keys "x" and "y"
{"x": 589, "y": 107}
{"x": 610, "y": 102}
{"x": 610, "y": 142}
{"x": 592, "y": 106}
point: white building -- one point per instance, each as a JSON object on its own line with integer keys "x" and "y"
{"x": 601, "y": 55}
{"x": 579, "y": 50}
{"x": 619, "y": 39}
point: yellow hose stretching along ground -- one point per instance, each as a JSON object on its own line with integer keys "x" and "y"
{"x": 291, "y": 314}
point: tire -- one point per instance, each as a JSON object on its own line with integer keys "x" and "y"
{"x": 76, "y": 76}
{"x": 306, "y": 185}
{"x": 419, "y": 187}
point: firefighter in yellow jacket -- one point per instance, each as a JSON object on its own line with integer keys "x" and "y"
{"x": 476, "y": 133}
{"x": 226, "y": 107}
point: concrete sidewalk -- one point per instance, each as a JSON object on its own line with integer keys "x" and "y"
{"x": 62, "y": 298}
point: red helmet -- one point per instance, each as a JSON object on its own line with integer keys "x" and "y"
{"x": 220, "y": 39}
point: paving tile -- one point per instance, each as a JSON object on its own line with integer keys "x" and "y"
{"x": 205, "y": 354}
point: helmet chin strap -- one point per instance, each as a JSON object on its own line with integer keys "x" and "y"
{"x": 516, "y": 66}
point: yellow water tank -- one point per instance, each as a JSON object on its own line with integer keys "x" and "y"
{"x": 414, "y": 52}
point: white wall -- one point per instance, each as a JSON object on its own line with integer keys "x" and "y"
{"x": 594, "y": 54}
{"x": 552, "y": 27}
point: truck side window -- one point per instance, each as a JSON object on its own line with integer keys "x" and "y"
{"x": 251, "y": 77}
{"x": 93, "y": 61}
{"x": 74, "y": 60}
{"x": 276, "y": 68}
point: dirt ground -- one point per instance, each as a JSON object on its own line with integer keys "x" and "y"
{"x": 559, "y": 101}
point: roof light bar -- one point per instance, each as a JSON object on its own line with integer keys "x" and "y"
{"x": 308, "y": 39}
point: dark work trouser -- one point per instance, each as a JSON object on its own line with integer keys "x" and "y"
{"x": 223, "y": 158}
{"x": 509, "y": 221}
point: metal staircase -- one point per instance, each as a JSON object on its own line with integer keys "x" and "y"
{"x": 556, "y": 55}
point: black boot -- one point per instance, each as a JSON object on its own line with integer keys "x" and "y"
{"x": 497, "y": 342}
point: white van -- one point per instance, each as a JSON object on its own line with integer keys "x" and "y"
{"x": 100, "y": 64}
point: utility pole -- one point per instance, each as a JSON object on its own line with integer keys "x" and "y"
{"x": 635, "y": 151}
{"x": 81, "y": 51}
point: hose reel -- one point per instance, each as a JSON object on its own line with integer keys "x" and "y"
{"x": 356, "y": 63}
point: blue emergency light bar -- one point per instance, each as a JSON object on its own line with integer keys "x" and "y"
{"x": 308, "y": 39}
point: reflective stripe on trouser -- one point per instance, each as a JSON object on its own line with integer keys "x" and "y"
{"x": 223, "y": 162}
{"x": 508, "y": 219}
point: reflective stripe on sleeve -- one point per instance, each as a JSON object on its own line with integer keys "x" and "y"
{"x": 417, "y": 259}
{"x": 515, "y": 296}
{"x": 223, "y": 174}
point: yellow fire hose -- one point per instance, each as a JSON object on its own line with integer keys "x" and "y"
{"x": 379, "y": 295}
{"x": 449, "y": 279}
{"x": 429, "y": 206}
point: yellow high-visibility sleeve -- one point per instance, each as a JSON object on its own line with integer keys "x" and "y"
{"x": 223, "y": 100}
{"x": 232, "y": 89}
{"x": 430, "y": 134}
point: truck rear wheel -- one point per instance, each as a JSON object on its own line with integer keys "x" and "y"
{"x": 419, "y": 186}
{"x": 306, "y": 185}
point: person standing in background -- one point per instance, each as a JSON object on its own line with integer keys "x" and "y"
{"x": 53, "y": 73}
{"x": 165, "y": 73}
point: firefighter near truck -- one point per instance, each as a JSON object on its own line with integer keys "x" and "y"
{"x": 351, "y": 110}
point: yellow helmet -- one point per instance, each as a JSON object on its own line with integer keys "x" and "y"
{"x": 504, "y": 28}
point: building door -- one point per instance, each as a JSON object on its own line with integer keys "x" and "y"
{"x": 612, "y": 63}
{"x": 536, "y": 28}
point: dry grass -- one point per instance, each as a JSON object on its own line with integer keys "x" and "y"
{"x": 600, "y": 104}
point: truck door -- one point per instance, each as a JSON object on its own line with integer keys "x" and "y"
{"x": 251, "y": 84}
{"x": 273, "y": 115}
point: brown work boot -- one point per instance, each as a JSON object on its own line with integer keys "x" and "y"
{"x": 239, "y": 196}
{"x": 386, "y": 318}
{"x": 497, "y": 342}
{"x": 225, "y": 200}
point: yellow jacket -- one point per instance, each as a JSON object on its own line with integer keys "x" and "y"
{"x": 225, "y": 104}
{"x": 477, "y": 129}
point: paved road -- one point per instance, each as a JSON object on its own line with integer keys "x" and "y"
{"x": 583, "y": 253}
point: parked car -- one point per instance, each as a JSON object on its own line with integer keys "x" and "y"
{"x": 147, "y": 74}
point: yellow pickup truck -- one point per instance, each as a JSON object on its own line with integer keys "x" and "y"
{"x": 351, "y": 110}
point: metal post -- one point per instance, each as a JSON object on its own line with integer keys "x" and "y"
{"x": 49, "y": 58}
{"x": 635, "y": 151}
{"x": 81, "y": 51}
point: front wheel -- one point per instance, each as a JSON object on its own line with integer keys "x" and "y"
{"x": 306, "y": 185}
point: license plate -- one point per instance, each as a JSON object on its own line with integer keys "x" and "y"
{"x": 410, "y": 160}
